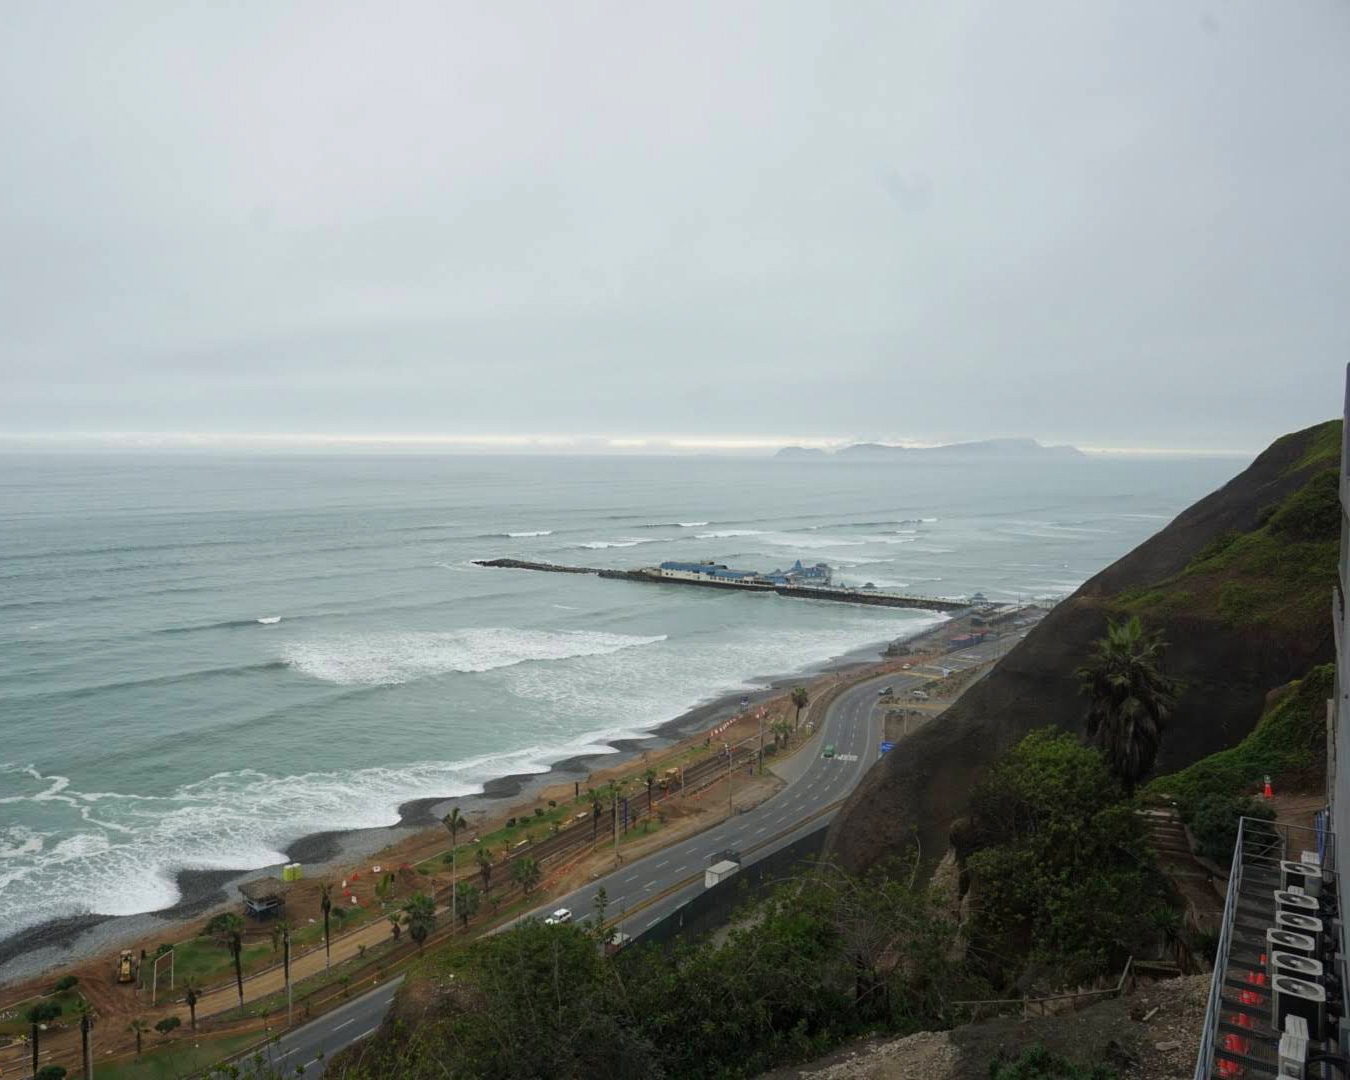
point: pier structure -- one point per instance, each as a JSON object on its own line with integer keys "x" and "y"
{"x": 717, "y": 576}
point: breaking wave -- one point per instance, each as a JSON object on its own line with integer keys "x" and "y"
{"x": 391, "y": 658}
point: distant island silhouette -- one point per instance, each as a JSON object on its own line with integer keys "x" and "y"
{"x": 983, "y": 450}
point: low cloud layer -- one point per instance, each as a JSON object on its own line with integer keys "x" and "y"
{"x": 1109, "y": 224}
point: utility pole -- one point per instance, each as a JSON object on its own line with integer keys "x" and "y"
{"x": 730, "y": 808}
{"x": 761, "y": 742}
{"x": 616, "y": 822}
{"x": 290, "y": 1003}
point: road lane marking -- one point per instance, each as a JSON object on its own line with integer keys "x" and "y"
{"x": 661, "y": 864}
{"x": 649, "y": 885}
{"x": 679, "y": 868}
{"x": 345, "y": 1023}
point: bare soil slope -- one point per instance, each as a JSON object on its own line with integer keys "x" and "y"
{"x": 1240, "y": 583}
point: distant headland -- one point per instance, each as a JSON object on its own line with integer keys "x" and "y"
{"x": 984, "y": 450}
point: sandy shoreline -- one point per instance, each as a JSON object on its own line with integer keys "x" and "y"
{"x": 76, "y": 939}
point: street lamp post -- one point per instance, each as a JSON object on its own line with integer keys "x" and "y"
{"x": 761, "y": 742}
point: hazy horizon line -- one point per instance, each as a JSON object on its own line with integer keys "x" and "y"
{"x": 535, "y": 443}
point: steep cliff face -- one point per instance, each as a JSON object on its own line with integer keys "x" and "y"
{"x": 1240, "y": 584}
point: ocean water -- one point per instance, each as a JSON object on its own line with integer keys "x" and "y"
{"x": 206, "y": 657}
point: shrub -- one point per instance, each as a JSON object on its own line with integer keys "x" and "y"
{"x": 511, "y": 823}
{"x": 51, "y": 1072}
{"x": 538, "y": 811}
{"x": 1037, "y": 1063}
{"x": 1061, "y": 866}
{"x": 167, "y": 1025}
{"x": 1214, "y": 821}
{"x": 64, "y": 983}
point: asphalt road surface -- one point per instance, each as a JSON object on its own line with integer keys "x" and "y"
{"x": 853, "y": 726}
{"x": 329, "y": 1033}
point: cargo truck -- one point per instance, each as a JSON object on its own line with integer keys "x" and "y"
{"x": 719, "y": 872}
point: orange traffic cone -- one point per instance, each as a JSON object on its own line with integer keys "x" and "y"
{"x": 1268, "y": 791}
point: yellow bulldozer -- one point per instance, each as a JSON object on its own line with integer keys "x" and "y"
{"x": 126, "y": 966}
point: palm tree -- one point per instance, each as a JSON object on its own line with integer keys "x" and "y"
{"x": 468, "y": 903}
{"x": 326, "y": 906}
{"x": 485, "y": 868}
{"x": 781, "y": 730}
{"x": 231, "y": 935}
{"x": 454, "y": 821}
{"x": 594, "y": 796}
{"x": 38, "y": 1016}
{"x": 800, "y": 699}
{"x": 194, "y": 991}
{"x": 1129, "y": 698}
{"x": 281, "y": 932}
{"x": 138, "y": 1027}
{"x": 526, "y": 872}
{"x": 650, "y": 777}
{"x": 396, "y": 921}
{"x": 421, "y": 912}
{"x": 85, "y": 1012}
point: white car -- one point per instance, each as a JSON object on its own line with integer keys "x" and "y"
{"x": 562, "y": 915}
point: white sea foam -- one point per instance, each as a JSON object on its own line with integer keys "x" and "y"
{"x": 270, "y": 620}
{"x": 627, "y": 541}
{"x": 389, "y": 658}
{"x": 127, "y": 861}
{"x": 538, "y": 532}
{"x": 691, "y": 524}
{"x": 796, "y": 540}
{"x": 726, "y": 534}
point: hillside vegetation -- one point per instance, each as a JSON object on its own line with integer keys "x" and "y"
{"x": 1280, "y": 572}
{"x": 1288, "y": 744}
{"x": 1238, "y": 585}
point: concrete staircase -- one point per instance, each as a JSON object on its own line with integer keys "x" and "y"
{"x": 1197, "y": 883}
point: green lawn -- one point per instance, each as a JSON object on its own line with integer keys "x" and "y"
{"x": 13, "y": 1023}
{"x": 206, "y": 959}
{"x": 180, "y": 1058}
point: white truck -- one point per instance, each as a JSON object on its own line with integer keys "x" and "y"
{"x": 719, "y": 871}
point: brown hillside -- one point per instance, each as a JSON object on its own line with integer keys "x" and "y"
{"x": 1240, "y": 583}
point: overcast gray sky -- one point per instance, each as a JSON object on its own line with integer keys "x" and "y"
{"x": 1115, "y": 224}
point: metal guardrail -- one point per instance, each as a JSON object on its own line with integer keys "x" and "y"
{"x": 1257, "y": 852}
{"x": 1204, "y": 1059}
{"x": 1078, "y": 998}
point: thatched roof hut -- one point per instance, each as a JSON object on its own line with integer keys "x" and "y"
{"x": 264, "y": 897}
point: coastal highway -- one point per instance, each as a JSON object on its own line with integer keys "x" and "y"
{"x": 674, "y": 874}
{"x": 328, "y": 1034}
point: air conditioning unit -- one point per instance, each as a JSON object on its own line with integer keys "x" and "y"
{"x": 1290, "y": 941}
{"x": 1307, "y": 876}
{"x": 1295, "y": 966}
{"x": 1300, "y": 924}
{"x": 1296, "y": 902}
{"x": 1298, "y": 997}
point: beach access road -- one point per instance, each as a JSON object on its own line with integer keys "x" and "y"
{"x": 642, "y": 892}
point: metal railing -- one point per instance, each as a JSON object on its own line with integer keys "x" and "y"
{"x": 1076, "y": 999}
{"x": 1260, "y": 847}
